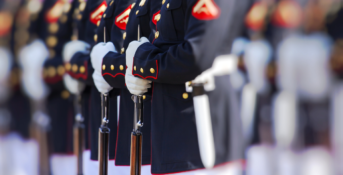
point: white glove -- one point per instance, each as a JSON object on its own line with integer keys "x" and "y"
{"x": 100, "y": 83}
{"x": 73, "y": 86}
{"x": 130, "y": 53}
{"x": 31, "y": 59}
{"x": 72, "y": 47}
{"x": 98, "y": 53}
{"x": 5, "y": 63}
{"x": 222, "y": 65}
{"x": 136, "y": 86}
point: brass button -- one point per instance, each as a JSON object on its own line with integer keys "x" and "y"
{"x": 111, "y": 2}
{"x": 134, "y": 68}
{"x": 185, "y": 95}
{"x": 142, "y": 71}
{"x": 122, "y": 50}
{"x": 98, "y": 24}
{"x": 51, "y": 71}
{"x": 95, "y": 37}
{"x": 53, "y": 28}
{"x": 74, "y": 37}
{"x": 164, "y": 1}
{"x": 144, "y": 97}
{"x": 104, "y": 15}
{"x": 157, "y": 33}
{"x": 137, "y": 12}
{"x": 65, "y": 94}
{"x": 64, "y": 18}
{"x": 142, "y": 2}
{"x": 132, "y": 5}
{"x": 82, "y": 6}
{"x": 51, "y": 41}
{"x": 121, "y": 67}
{"x": 79, "y": 16}
{"x": 68, "y": 66}
{"x": 103, "y": 67}
{"x": 158, "y": 17}
{"x": 124, "y": 35}
{"x": 112, "y": 67}
{"x": 51, "y": 53}
{"x": 82, "y": 69}
{"x": 60, "y": 70}
{"x": 168, "y": 6}
{"x": 152, "y": 70}
{"x": 74, "y": 68}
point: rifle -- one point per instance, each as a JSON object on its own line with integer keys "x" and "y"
{"x": 137, "y": 135}
{"x": 104, "y": 132}
{"x": 79, "y": 136}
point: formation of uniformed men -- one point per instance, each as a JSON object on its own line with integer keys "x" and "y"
{"x": 227, "y": 86}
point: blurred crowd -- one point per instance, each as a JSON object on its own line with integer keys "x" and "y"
{"x": 274, "y": 65}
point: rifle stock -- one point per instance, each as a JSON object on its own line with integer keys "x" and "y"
{"x": 79, "y": 145}
{"x": 104, "y": 136}
{"x": 136, "y": 153}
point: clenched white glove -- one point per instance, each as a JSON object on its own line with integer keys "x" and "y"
{"x": 72, "y": 47}
{"x": 136, "y": 86}
{"x": 98, "y": 53}
{"x": 100, "y": 83}
{"x": 31, "y": 59}
{"x": 72, "y": 85}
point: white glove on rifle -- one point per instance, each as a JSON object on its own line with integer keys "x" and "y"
{"x": 98, "y": 53}
{"x": 100, "y": 83}
{"x": 136, "y": 86}
{"x": 73, "y": 86}
{"x": 31, "y": 59}
{"x": 73, "y": 47}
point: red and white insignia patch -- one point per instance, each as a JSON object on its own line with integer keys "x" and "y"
{"x": 95, "y": 16}
{"x": 156, "y": 17}
{"x": 54, "y": 12}
{"x": 123, "y": 18}
{"x": 206, "y": 10}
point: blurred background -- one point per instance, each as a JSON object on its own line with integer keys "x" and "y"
{"x": 289, "y": 81}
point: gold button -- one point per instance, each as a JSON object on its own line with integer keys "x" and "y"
{"x": 74, "y": 68}
{"x": 53, "y": 28}
{"x": 142, "y": 2}
{"x": 68, "y": 66}
{"x": 98, "y": 24}
{"x": 66, "y": 7}
{"x": 158, "y": 17}
{"x": 51, "y": 71}
{"x": 137, "y": 12}
{"x": 104, "y": 15}
{"x": 82, "y": 69}
{"x": 142, "y": 71}
{"x": 121, "y": 67}
{"x": 51, "y": 41}
{"x": 168, "y": 6}
{"x": 65, "y": 94}
{"x": 122, "y": 50}
{"x": 111, "y": 2}
{"x": 64, "y": 18}
{"x": 157, "y": 33}
{"x": 51, "y": 53}
{"x": 60, "y": 70}
{"x": 79, "y": 16}
{"x": 82, "y": 6}
{"x": 152, "y": 70}
{"x": 133, "y": 4}
{"x": 74, "y": 37}
{"x": 95, "y": 37}
{"x": 134, "y": 68}
{"x": 185, "y": 95}
{"x": 164, "y": 1}
{"x": 124, "y": 35}
{"x": 144, "y": 97}
{"x": 103, "y": 67}
{"x": 112, "y": 67}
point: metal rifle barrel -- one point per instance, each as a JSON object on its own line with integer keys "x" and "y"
{"x": 79, "y": 135}
{"x": 104, "y": 136}
{"x": 137, "y": 137}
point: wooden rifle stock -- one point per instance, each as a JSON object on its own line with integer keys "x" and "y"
{"x": 136, "y": 153}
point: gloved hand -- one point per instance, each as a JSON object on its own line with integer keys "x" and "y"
{"x": 73, "y": 47}
{"x": 98, "y": 53}
{"x": 136, "y": 86}
{"x": 100, "y": 83}
{"x": 131, "y": 50}
{"x": 72, "y": 85}
{"x": 31, "y": 59}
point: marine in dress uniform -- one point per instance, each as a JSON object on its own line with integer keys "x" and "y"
{"x": 169, "y": 61}
{"x": 144, "y": 13}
